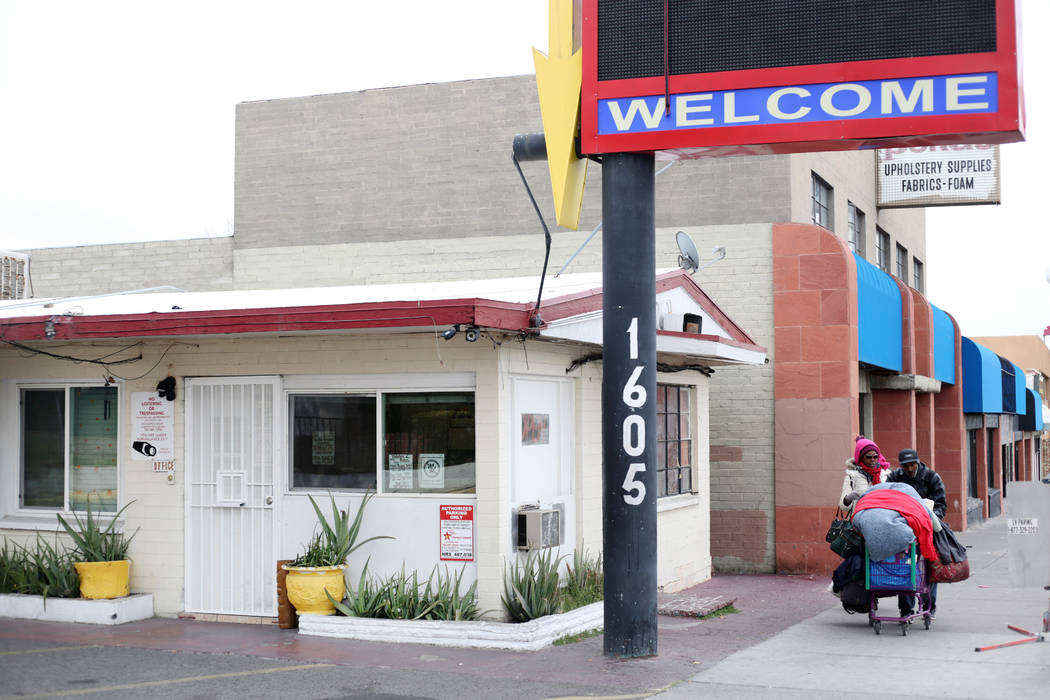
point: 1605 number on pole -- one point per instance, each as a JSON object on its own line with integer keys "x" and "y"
{"x": 634, "y": 396}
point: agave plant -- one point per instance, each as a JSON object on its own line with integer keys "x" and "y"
{"x": 338, "y": 538}
{"x": 95, "y": 543}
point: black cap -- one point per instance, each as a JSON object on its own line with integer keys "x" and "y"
{"x": 907, "y": 455}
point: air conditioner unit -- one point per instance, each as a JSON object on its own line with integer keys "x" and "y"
{"x": 539, "y": 528}
{"x": 682, "y": 323}
{"x": 13, "y": 269}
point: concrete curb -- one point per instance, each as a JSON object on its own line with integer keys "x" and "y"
{"x": 114, "y": 611}
{"x": 525, "y": 636}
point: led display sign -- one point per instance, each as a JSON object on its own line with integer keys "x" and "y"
{"x": 701, "y": 78}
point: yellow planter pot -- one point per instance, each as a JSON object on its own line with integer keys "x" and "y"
{"x": 103, "y": 579}
{"x": 306, "y": 586}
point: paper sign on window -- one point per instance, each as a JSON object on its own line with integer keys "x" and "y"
{"x": 535, "y": 428}
{"x": 431, "y": 471}
{"x": 399, "y": 471}
{"x": 323, "y": 447}
{"x": 456, "y": 529}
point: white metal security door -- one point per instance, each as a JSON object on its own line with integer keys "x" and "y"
{"x": 231, "y": 448}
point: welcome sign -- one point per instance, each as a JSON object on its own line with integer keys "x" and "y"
{"x": 723, "y": 77}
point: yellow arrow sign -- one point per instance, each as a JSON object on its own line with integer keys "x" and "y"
{"x": 558, "y": 79}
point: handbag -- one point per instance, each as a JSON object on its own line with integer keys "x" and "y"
{"x": 949, "y": 549}
{"x": 838, "y": 522}
{"x": 949, "y": 573}
{"x": 848, "y": 542}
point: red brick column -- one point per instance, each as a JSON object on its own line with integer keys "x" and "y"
{"x": 893, "y": 412}
{"x": 815, "y": 388}
{"x": 949, "y": 456}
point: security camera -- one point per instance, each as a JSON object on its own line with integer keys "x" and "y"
{"x": 450, "y": 333}
{"x": 471, "y": 334}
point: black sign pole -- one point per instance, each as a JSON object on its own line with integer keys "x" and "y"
{"x": 629, "y": 403}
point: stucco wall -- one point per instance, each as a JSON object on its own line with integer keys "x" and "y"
{"x": 851, "y": 175}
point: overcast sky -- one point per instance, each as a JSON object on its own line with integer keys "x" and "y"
{"x": 117, "y": 122}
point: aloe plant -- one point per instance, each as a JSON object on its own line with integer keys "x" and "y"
{"x": 403, "y": 597}
{"x": 95, "y": 543}
{"x": 584, "y": 581}
{"x": 338, "y": 538}
{"x": 44, "y": 570}
{"x": 531, "y": 588}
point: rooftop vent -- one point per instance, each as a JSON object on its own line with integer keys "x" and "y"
{"x": 13, "y": 274}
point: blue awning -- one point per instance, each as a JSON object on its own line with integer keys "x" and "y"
{"x": 943, "y": 346}
{"x": 1019, "y": 388}
{"x": 1032, "y": 419}
{"x": 1011, "y": 398}
{"x": 879, "y": 317}
{"x": 982, "y": 379}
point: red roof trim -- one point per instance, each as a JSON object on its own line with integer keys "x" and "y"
{"x": 399, "y": 314}
{"x": 746, "y": 345}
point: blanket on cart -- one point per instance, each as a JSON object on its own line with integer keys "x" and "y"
{"x": 897, "y": 502}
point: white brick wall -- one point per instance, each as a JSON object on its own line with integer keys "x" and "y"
{"x": 158, "y": 550}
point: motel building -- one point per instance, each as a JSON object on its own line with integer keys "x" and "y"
{"x": 215, "y": 415}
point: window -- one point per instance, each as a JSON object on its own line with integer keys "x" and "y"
{"x": 333, "y": 441}
{"x": 902, "y": 263}
{"x": 855, "y": 230}
{"x": 674, "y": 444}
{"x": 427, "y": 441}
{"x": 917, "y": 280}
{"x": 69, "y": 448}
{"x": 882, "y": 250}
{"x": 821, "y": 202}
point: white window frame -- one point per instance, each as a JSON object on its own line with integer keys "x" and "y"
{"x": 855, "y": 229}
{"x": 918, "y": 276}
{"x": 902, "y": 263}
{"x": 375, "y": 385}
{"x": 882, "y": 250}
{"x": 12, "y": 515}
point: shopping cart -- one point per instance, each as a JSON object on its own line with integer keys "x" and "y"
{"x": 902, "y": 573}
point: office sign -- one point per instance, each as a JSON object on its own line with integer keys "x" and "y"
{"x": 930, "y": 176}
{"x": 733, "y": 77}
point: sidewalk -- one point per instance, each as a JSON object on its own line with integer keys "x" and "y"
{"x": 767, "y": 605}
{"x": 834, "y": 653}
{"x": 790, "y": 639}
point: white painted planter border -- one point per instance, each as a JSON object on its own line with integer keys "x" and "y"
{"x": 115, "y": 611}
{"x": 524, "y": 636}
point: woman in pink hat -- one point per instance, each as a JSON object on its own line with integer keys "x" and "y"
{"x": 867, "y": 468}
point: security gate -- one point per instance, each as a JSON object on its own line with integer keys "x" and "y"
{"x": 231, "y": 447}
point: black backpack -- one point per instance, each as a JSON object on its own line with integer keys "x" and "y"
{"x": 855, "y": 598}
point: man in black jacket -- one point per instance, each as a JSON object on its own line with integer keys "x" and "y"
{"x": 929, "y": 485}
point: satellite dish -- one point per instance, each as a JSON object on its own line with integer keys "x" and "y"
{"x": 688, "y": 257}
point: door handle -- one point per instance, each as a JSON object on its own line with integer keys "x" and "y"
{"x": 269, "y": 500}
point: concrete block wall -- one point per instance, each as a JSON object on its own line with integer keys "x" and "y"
{"x": 434, "y": 161}
{"x": 192, "y": 264}
{"x": 741, "y": 401}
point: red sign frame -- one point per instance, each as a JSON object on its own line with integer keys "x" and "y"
{"x": 1003, "y": 126}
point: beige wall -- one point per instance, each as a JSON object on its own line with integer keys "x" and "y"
{"x": 851, "y": 174}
